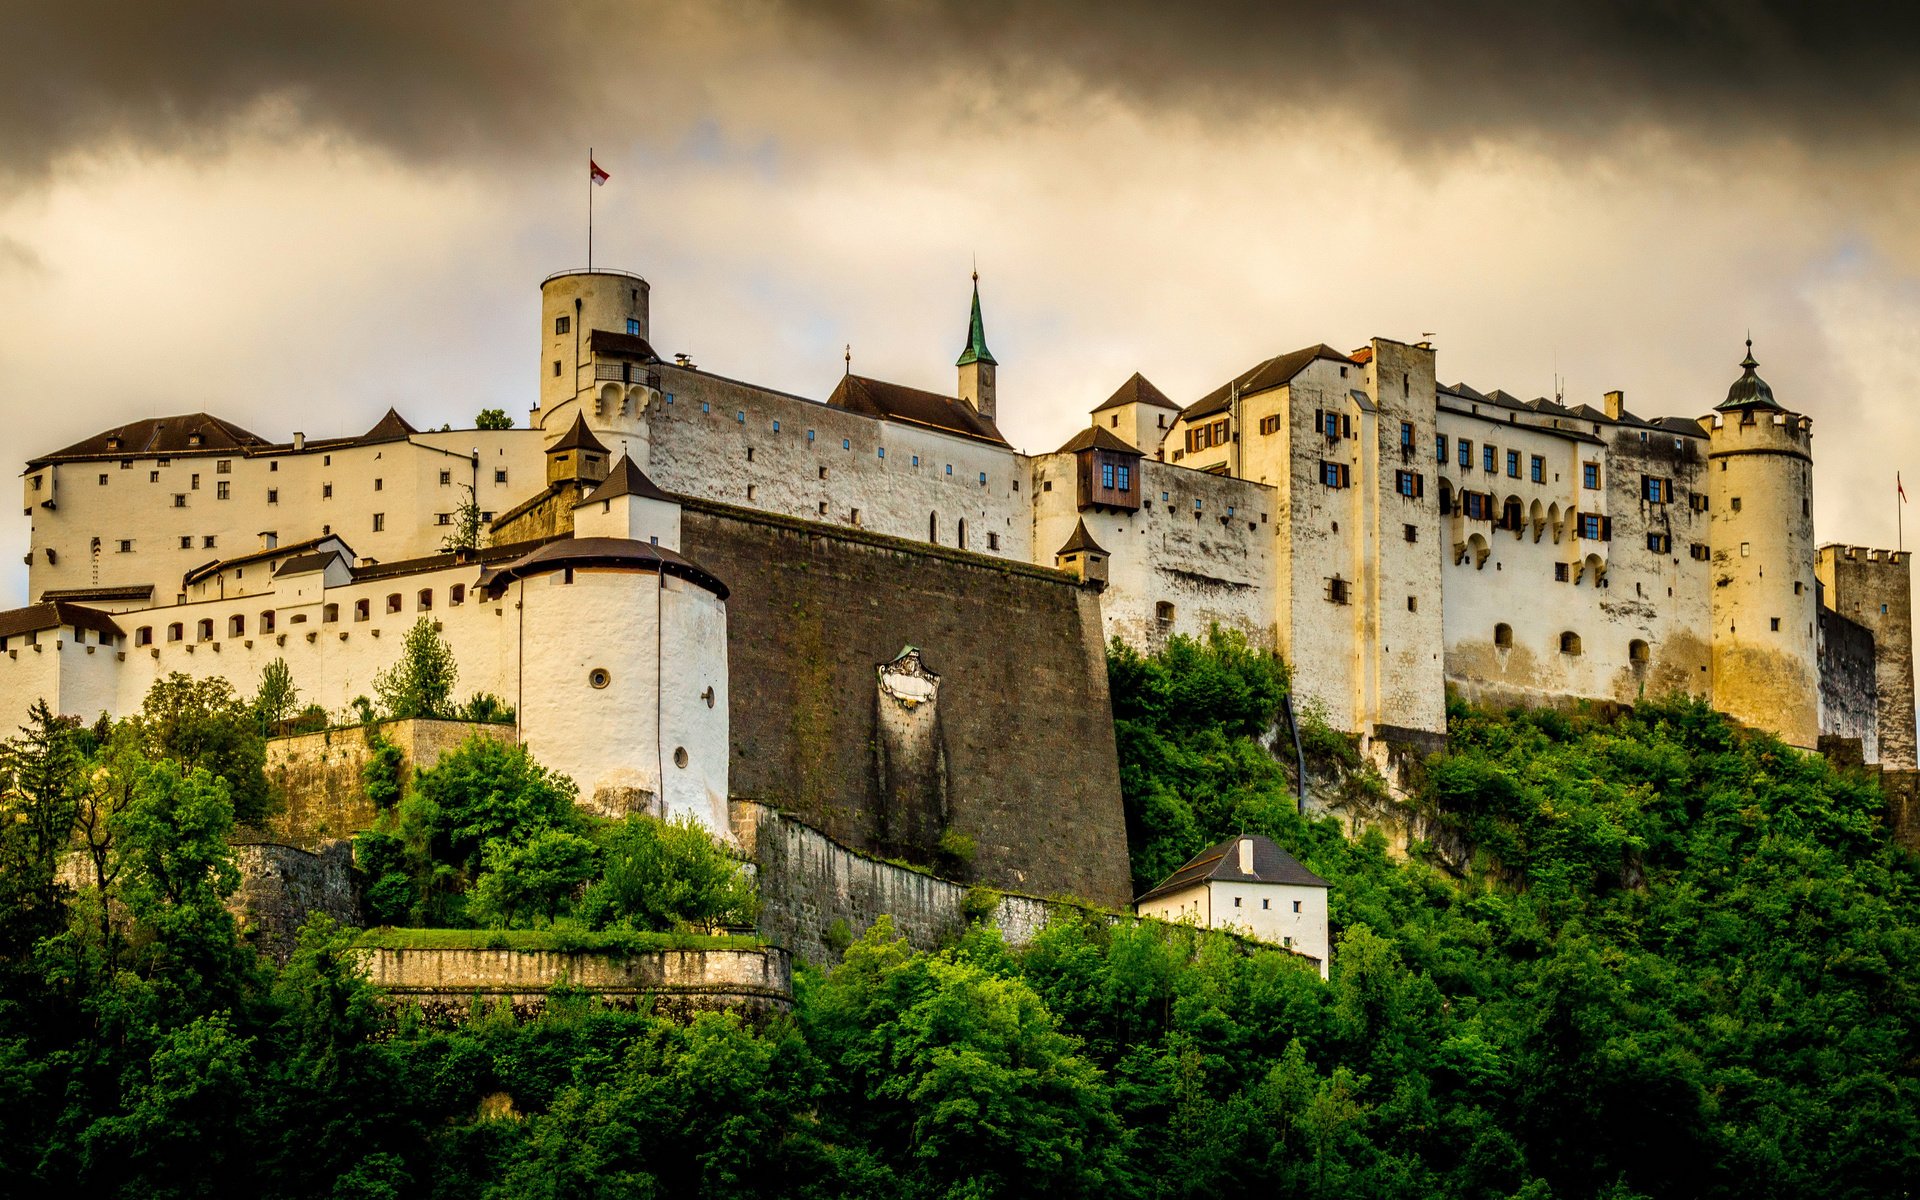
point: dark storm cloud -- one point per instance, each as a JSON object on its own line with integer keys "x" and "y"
{"x": 433, "y": 78}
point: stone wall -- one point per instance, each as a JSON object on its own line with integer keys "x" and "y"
{"x": 815, "y": 892}
{"x": 1026, "y": 728}
{"x": 281, "y": 886}
{"x": 318, "y": 774}
{"x": 446, "y": 983}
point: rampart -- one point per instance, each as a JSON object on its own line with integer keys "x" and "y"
{"x": 1022, "y": 768}
{"x": 447, "y": 982}
{"x": 317, "y": 775}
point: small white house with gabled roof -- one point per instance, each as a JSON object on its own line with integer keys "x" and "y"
{"x": 1250, "y": 886}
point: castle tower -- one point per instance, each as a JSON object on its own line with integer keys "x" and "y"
{"x": 976, "y": 363}
{"x": 573, "y": 306}
{"x": 1765, "y": 670}
{"x": 1873, "y": 588}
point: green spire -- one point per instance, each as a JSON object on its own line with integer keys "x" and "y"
{"x": 976, "y": 350}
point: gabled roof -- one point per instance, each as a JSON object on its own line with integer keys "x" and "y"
{"x": 205, "y": 570}
{"x": 1136, "y": 390}
{"x": 51, "y": 614}
{"x": 391, "y": 428}
{"x": 620, "y": 345}
{"x": 1271, "y": 864}
{"x": 158, "y": 435}
{"x": 577, "y": 437}
{"x": 625, "y": 479}
{"x": 1081, "y": 542}
{"x": 130, "y": 591}
{"x": 893, "y": 402}
{"x": 1095, "y": 437}
{"x": 1266, "y": 375}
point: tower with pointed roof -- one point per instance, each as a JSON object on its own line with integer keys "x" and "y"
{"x": 1763, "y": 642}
{"x": 977, "y": 365}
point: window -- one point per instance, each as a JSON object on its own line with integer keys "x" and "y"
{"x": 1337, "y": 590}
{"x": 273, "y": 495}
{"x": 1513, "y": 464}
{"x": 1539, "y": 469}
{"x": 1656, "y": 490}
{"x": 393, "y": 602}
{"x": 1560, "y": 572}
{"x": 1125, "y": 475}
{"x": 221, "y": 490}
{"x": 1440, "y": 448}
{"x": 1569, "y": 642}
{"x": 633, "y": 327}
{"x": 424, "y": 601}
{"x": 1409, "y": 484}
{"x": 1487, "y": 456}
{"x": 143, "y": 636}
{"x": 500, "y": 476}
{"x": 379, "y": 522}
{"x": 1334, "y": 475}
{"x": 1503, "y": 636}
{"x": 1412, "y": 532}
{"x": 1659, "y": 543}
{"x": 562, "y": 325}
{"x": 1466, "y": 453}
{"x": 1590, "y": 476}
{"x": 1163, "y": 612}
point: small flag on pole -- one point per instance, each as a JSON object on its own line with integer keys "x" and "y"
{"x": 599, "y": 176}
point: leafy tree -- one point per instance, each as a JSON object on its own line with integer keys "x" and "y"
{"x": 667, "y": 875}
{"x": 420, "y": 684}
{"x": 493, "y": 418}
{"x": 201, "y": 723}
{"x": 277, "y": 697}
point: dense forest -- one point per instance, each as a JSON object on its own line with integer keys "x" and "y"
{"x": 1680, "y": 960}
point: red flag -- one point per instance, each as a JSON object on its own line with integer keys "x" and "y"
{"x": 599, "y": 176}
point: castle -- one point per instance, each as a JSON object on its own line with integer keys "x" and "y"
{"x": 875, "y": 611}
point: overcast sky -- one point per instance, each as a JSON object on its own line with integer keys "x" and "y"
{"x": 295, "y": 215}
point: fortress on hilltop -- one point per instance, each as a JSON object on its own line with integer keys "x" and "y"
{"x": 874, "y": 613}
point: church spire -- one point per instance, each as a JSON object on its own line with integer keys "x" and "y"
{"x": 976, "y": 350}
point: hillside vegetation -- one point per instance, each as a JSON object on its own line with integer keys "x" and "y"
{"x": 1682, "y": 964}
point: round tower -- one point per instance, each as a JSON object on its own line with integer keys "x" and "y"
{"x": 573, "y": 306}
{"x": 1765, "y": 669}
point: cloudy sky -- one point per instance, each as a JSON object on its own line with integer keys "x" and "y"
{"x": 295, "y": 215}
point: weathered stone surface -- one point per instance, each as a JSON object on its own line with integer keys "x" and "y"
{"x": 1032, "y": 775}
{"x": 318, "y": 775}
{"x": 446, "y": 983}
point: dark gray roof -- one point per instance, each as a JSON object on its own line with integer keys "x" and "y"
{"x": 1271, "y": 864}
{"x": 1136, "y": 390}
{"x": 1082, "y": 540}
{"x": 1262, "y": 377}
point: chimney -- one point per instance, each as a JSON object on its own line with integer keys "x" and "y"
{"x": 1616, "y": 404}
{"x": 1246, "y": 856}
{"x": 299, "y": 440}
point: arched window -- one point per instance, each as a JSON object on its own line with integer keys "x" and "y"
{"x": 143, "y": 636}
{"x": 1569, "y": 642}
{"x": 1503, "y": 636}
{"x": 1637, "y": 652}
{"x": 1163, "y": 612}
{"x": 176, "y": 631}
{"x": 330, "y": 613}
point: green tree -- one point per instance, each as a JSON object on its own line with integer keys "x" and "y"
{"x": 202, "y": 723}
{"x": 667, "y": 875}
{"x": 277, "y": 697}
{"x": 420, "y": 684}
{"x": 493, "y": 418}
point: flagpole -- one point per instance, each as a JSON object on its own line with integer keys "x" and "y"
{"x": 589, "y": 209}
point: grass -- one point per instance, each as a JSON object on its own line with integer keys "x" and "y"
{"x": 556, "y": 940}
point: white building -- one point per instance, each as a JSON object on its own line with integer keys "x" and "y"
{"x": 1247, "y": 885}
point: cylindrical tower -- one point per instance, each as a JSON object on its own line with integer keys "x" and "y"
{"x": 1765, "y": 668}
{"x": 573, "y": 304}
